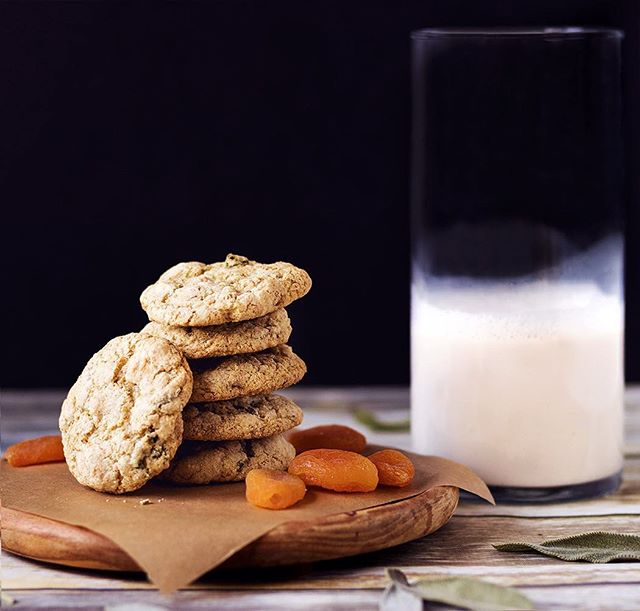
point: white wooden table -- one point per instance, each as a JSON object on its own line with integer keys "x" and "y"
{"x": 462, "y": 547}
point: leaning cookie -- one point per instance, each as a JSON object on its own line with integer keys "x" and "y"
{"x": 202, "y": 462}
{"x": 231, "y": 338}
{"x": 244, "y": 375}
{"x": 198, "y": 295}
{"x": 243, "y": 418}
{"x": 121, "y": 422}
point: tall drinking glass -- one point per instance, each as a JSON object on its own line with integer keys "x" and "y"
{"x": 517, "y": 254}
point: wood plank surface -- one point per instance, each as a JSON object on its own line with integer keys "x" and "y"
{"x": 608, "y": 597}
{"x": 462, "y": 547}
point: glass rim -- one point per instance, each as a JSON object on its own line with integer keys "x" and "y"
{"x": 544, "y": 32}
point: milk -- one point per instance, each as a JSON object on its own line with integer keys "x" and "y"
{"x": 521, "y": 382}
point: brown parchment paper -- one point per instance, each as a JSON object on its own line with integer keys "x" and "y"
{"x": 194, "y": 529}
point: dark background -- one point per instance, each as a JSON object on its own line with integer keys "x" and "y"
{"x": 137, "y": 134}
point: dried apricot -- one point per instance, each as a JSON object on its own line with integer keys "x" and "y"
{"x": 394, "y": 468}
{"x": 333, "y": 436}
{"x": 35, "y": 451}
{"x": 273, "y": 489}
{"x": 338, "y": 470}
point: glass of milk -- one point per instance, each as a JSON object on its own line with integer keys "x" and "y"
{"x": 517, "y": 253}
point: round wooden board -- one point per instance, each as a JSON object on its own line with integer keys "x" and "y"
{"x": 336, "y": 536}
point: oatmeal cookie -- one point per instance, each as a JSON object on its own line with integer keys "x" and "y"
{"x": 244, "y": 375}
{"x": 198, "y": 295}
{"x": 230, "y": 338}
{"x": 244, "y": 418}
{"x": 203, "y": 462}
{"x": 121, "y": 422}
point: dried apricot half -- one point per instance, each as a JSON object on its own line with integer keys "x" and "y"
{"x": 394, "y": 468}
{"x": 35, "y": 451}
{"x": 273, "y": 489}
{"x": 338, "y": 470}
{"x": 332, "y": 436}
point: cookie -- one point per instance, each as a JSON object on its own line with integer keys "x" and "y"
{"x": 121, "y": 422}
{"x": 244, "y": 418}
{"x": 244, "y": 375}
{"x": 202, "y": 462}
{"x": 198, "y": 295}
{"x": 231, "y": 338}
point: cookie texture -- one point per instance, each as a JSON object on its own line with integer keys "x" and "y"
{"x": 202, "y": 462}
{"x": 198, "y": 294}
{"x": 121, "y": 422}
{"x": 243, "y": 418}
{"x": 230, "y": 338}
{"x": 244, "y": 375}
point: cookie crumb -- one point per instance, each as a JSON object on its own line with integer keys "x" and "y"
{"x": 233, "y": 260}
{"x": 161, "y": 500}
{"x": 145, "y": 502}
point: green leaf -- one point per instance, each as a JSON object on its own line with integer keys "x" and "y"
{"x": 464, "y": 592}
{"x": 597, "y": 546}
{"x": 370, "y": 420}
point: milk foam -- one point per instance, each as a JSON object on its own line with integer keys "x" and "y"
{"x": 521, "y": 381}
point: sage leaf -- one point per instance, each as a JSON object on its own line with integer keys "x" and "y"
{"x": 463, "y": 592}
{"x": 598, "y": 547}
{"x": 398, "y": 578}
{"x": 371, "y": 421}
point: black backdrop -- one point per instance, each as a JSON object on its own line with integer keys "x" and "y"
{"x": 137, "y": 134}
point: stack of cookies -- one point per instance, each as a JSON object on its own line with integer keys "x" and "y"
{"x": 190, "y": 397}
{"x": 228, "y": 320}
